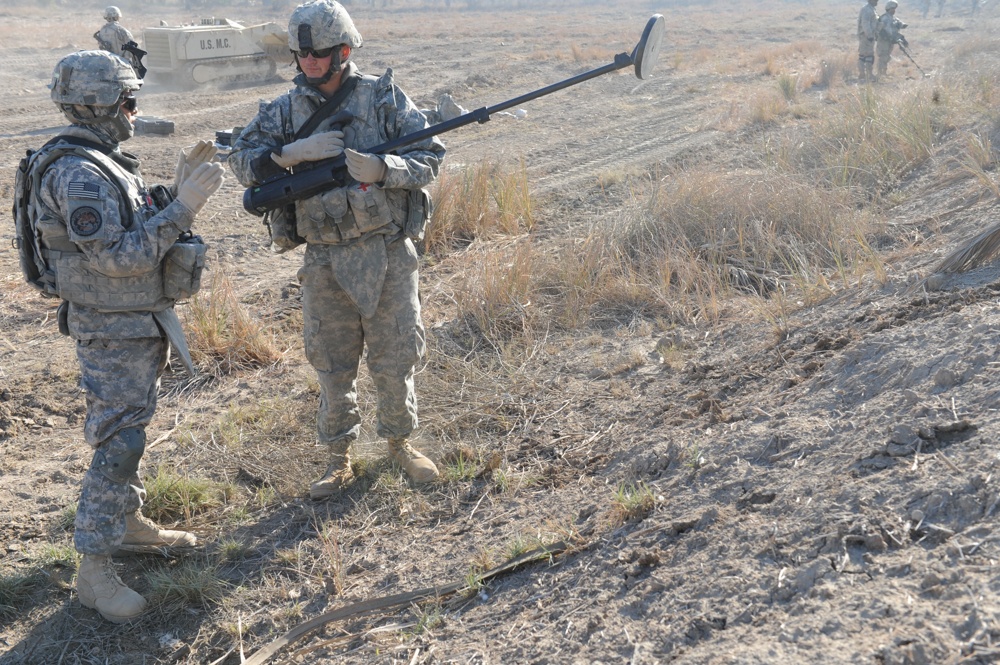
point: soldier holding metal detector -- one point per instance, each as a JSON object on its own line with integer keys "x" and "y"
{"x": 888, "y": 35}
{"x": 359, "y": 278}
{"x": 360, "y": 275}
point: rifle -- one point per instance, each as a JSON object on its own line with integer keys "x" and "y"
{"x": 907, "y": 54}
{"x": 331, "y": 173}
{"x": 138, "y": 53}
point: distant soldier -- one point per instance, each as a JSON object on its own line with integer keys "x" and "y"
{"x": 867, "y": 27}
{"x": 925, "y": 7}
{"x": 110, "y": 247}
{"x": 113, "y": 37}
{"x": 940, "y": 11}
{"x": 888, "y": 35}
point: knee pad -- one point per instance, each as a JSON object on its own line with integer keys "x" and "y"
{"x": 118, "y": 458}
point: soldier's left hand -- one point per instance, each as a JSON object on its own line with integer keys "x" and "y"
{"x": 365, "y": 167}
{"x": 191, "y": 158}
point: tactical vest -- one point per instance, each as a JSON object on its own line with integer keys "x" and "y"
{"x": 345, "y": 214}
{"x": 55, "y": 266}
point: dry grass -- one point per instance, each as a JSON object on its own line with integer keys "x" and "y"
{"x": 223, "y": 334}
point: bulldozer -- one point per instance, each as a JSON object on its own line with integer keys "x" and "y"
{"x": 217, "y": 50}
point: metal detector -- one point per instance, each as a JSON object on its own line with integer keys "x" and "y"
{"x": 907, "y": 54}
{"x": 328, "y": 174}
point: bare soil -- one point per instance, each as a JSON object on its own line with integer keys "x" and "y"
{"x": 826, "y": 490}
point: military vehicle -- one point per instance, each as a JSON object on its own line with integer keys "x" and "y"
{"x": 216, "y": 51}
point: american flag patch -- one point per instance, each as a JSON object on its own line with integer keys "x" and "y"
{"x": 84, "y": 190}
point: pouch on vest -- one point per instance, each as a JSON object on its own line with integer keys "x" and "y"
{"x": 418, "y": 215}
{"x": 370, "y": 207}
{"x": 182, "y": 267}
{"x": 282, "y": 229}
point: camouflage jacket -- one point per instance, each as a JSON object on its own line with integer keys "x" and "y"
{"x": 112, "y": 37}
{"x": 348, "y": 214}
{"x": 107, "y": 242}
{"x": 888, "y": 28}
{"x": 867, "y": 22}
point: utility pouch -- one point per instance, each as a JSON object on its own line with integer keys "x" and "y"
{"x": 369, "y": 206}
{"x": 182, "y": 267}
{"x": 161, "y": 196}
{"x": 282, "y": 228}
{"x": 418, "y": 214}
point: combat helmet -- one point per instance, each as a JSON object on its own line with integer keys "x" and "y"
{"x": 89, "y": 87}
{"x": 321, "y": 24}
{"x": 112, "y": 13}
{"x": 892, "y": 4}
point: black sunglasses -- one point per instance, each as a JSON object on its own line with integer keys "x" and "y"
{"x": 318, "y": 53}
{"x": 131, "y": 104}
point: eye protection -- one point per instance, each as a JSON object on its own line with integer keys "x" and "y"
{"x": 319, "y": 54}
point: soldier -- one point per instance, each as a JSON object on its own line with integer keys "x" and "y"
{"x": 102, "y": 236}
{"x": 359, "y": 278}
{"x": 113, "y": 36}
{"x": 867, "y": 26}
{"x": 888, "y": 35}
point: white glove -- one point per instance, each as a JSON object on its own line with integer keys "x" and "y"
{"x": 204, "y": 181}
{"x": 310, "y": 149}
{"x": 365, "y": 167}
{"x": 191, "y": 158}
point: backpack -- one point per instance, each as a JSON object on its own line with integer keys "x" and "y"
{"x": 33, "y": 267}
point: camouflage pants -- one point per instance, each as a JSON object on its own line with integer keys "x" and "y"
{"x": 884, "y": 52}
{"x": 336, "y": 335}
{"x": 120, "y": 378}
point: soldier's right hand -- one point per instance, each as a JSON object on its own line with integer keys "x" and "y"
{"x": 204, "y": 181}
{"x": 310, "y": 149}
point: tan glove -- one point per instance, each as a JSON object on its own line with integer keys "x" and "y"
{"x": 310, "y": 149}
{"x": 191, "y": 158}
{"x": 204, "y": 181}
{"x": 365, "y": 167}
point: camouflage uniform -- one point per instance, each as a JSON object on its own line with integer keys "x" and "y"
{"x": 120, "y": 353}
{"x": 359, "y": 277}
{"x": 867, "y": 27}
{"x": 887, "y": 36}
{"x": 112, "y": 37}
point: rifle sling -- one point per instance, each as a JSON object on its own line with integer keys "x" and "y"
{"x": 329, "y": 106}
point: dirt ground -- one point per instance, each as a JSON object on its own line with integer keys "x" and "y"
{"x": 829, "y": 494}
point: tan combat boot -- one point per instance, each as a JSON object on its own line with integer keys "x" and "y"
{"x": 142, "y": 535}
{"x": 417, "y": 467}
{"x": 100, "y": 588}
{"x": 337, "y": 478}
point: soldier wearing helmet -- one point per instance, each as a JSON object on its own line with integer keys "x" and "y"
{"x": 888, "y": 35}
{"x": 113, "y": 36}
{"x": 359, "y": 278}
{"x": 106, "y": 244}
{"x": 867, "y": 27}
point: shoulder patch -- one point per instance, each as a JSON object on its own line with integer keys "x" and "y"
{"x": 84, "y": 190}
{"x": 85, "y": 221}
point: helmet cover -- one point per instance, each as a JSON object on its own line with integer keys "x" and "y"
{"x": 112, "y": 13}
{"x": 92, "y": 78}
{"x": 321, "y": 24}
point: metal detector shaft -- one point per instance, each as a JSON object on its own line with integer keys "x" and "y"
{"x": 331, "y": 173}
{"x": 907, "y": 54}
